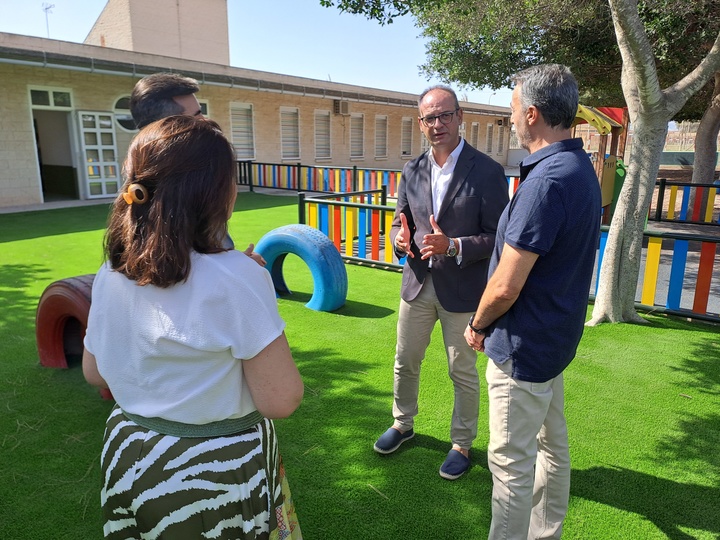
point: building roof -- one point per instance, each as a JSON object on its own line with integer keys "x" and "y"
{"x": 50, "y": 53}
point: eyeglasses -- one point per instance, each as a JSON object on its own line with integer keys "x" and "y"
{"x": 445, "y": 118}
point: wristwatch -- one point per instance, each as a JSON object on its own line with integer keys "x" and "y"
{"x": 451, "y": 250}
{"x": 474, "y": 329}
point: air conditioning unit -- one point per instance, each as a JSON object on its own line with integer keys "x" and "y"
{"x": 341, "y": 106}
{"x": 505, "y": 122}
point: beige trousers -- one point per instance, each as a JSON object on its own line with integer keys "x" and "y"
{"x": 415, "y": 324}
{"x": 528, "y": 456}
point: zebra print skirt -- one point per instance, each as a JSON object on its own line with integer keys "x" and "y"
{"x": 164, "y": 487}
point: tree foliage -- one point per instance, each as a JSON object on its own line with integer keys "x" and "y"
{"x": 482, "y": 43}
{"x": 658, "y": 53}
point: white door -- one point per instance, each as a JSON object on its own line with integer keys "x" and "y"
{"x": 98, "y": 150}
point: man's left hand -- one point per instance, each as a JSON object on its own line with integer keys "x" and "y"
{"x": 436, "y": 243}
{"x": 474, "y": 340}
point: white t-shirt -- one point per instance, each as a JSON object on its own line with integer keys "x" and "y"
{"x": 173, "y": 353}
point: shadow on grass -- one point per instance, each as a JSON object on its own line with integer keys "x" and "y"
{"x": 360, "y": 310}
{"x": 667, "y": 504}
{"x": 328, "y": 441}
{"x": 693, "y": 445}
{"x": 41, "y": 223}
{"x": 17, "y": 308}
{"x": 247, "y": 200}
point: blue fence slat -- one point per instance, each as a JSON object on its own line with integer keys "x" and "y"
{"x": 677, "y": 274}
{"x": 601, "y": 254}
{"x": 685, "y": 203}
{"x": 324, "y": 219}
{"x": 362, "y": 231}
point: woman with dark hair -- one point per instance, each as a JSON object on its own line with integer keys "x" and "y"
{"x": 187, "y": 336}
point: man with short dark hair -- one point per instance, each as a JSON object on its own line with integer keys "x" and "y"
{"x": 531, "y": 316}
{"x": 160, "y": 95}
{"x": 449, "y": 202}
{"x": 163, "y": 94}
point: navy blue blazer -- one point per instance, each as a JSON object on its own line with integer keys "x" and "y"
{"x": 475, "y": 199}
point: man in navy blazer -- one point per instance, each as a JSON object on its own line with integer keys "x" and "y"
{"x": 449, "y": 202}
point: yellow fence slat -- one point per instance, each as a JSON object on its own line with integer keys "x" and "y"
{"x": 652, "y": 264}
{"x": 710, "y": 207}
{"x": 350, "y": 227}
{"x": 672, "y": 202}
{"x": 388, "y": 245}
{"x": 313, "y": 215}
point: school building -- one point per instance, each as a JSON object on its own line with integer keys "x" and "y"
{"x": 65, "y": 125}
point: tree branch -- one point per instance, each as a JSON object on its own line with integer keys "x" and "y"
{"x": 636, "y": 51}
{"x": 698, "y": 77}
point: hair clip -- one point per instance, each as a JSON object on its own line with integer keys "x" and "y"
{"x": 136, "y": 193}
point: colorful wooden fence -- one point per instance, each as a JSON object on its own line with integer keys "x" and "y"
{"x": 677, "y": 274}
{"x": 358, "y": 223}
{"x": 298, "y": 177}
{"x": 673, "y": 203}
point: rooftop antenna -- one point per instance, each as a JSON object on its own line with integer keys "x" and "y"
{"x": 46, "y": 8}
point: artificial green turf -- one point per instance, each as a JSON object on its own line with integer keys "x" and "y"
{"x": 643, "y": 407}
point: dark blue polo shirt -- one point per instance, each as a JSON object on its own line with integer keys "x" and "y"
{"x": 555, "y": 213}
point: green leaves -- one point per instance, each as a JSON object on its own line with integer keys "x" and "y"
{"x": 484, "y": 42}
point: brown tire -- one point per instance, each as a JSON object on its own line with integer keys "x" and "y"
{"x": 61, "y": 320}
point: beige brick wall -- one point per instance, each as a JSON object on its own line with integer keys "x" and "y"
{"x": 19, "y": 174}
{"x": 191, "y": 29}
{"x": 266, "y": 115}
{"x": 112, "y": 28}
{"x": 19, "y": 183}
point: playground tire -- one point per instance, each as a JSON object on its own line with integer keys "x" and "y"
{"x": 61, "y": 320}
{"x": 330, "y": 282}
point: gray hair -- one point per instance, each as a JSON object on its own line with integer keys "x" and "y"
{"x": 444, "y": 88}
{"x": 552, "y": 89}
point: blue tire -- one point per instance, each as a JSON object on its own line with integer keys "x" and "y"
{"x": 328, "y": 271}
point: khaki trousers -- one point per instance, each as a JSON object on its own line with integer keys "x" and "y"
{"x": 415, "y": 324}
{"x": 528, "y": 456}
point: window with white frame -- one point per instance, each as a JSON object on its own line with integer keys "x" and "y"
{"x": 44, "y": 97}
{"x": 406, "y": 131}
{"x": 489, "y": 138}
{"x": 322, "y": 135}
{"x": 501, "y": 140}
{"x": 381, "y": 136}
{"x": 123, "y": 118}
{"x": 462, "y": 131}
{"x": 289, "y": 133}
{"x": 474, "y": 134}
{"x": 424, "y": 144}
{"x": 241, "y": 130}
{"x": 357, "y": 133}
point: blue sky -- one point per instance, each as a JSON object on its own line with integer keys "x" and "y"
{"x": 292, "y": 37}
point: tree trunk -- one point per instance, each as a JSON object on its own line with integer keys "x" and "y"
{"x": 615, "y": 299}
{"x": 650, "y": 108}
{"x": 706, "y": 140}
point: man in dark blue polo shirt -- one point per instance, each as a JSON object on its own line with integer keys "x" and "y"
{"x": 531, "y": 315}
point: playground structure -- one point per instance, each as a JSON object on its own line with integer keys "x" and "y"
{"x": 346, "y": 217}
{"x": 612, "y": 124}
